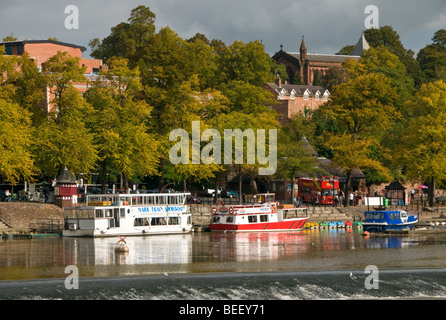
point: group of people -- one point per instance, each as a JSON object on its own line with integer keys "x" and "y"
{"x": 355, "y": 199}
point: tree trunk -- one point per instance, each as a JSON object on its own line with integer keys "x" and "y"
{"x": 347, "y": 189}
{"x": 240, "y": 184}
{"x": 293, "y": 190}
{"x": 216, "y": 189}
{"x": 254, "y": 188}
{"x": 431, "y": 192}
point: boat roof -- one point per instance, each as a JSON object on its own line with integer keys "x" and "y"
{"x": 385, "y": 211}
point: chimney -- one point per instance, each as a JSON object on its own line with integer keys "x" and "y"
{"x": 278, "y": 81}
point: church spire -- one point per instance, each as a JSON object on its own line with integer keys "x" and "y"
{"x": 303, "y": 50}
{"x": 360, "y": 46}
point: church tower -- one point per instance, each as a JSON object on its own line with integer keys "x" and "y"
{"x": 303, "y": 51}
{"x": 304, "y": 67}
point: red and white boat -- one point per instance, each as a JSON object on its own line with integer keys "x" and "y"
{"x": 266, "y": 215}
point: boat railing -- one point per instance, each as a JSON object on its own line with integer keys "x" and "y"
{"x": 295, "y": 212}
{"x": 145, "y": 199}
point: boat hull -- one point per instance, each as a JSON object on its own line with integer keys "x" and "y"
{"x": 381, "y": 227}
{"x": 113, "y": 232}
{"x": 285, "y": 225}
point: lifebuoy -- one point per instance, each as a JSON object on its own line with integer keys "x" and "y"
{"x": 273, "y": 209}
{"x": 214, "y": 210}
{"x": 231, "y": 210}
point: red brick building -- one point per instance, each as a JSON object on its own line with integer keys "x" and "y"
{"x": 305, "y": 65}
{"x": 292, "y": 98}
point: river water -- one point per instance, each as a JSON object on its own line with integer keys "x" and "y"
{"x": 313, "y": 264}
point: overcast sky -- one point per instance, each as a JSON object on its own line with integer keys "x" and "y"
{"x": 327, "y": 25}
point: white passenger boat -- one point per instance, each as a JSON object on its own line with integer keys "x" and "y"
{"x": 108, "y": 215}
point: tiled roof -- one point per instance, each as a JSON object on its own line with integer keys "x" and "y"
{"x": 312, "y": 57}
{"x": 65, "y": 177}
{"x": 299, "y": 89}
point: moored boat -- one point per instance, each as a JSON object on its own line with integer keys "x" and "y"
{"x": 340, "y": 224}
{"x": 110, "y": 215}
{"x": 331, "y": 224}
{"x": 357, "y": 224}
{"x": 323, "y": 225}
{"x": 348, "y": 224}
{"x": 379, "y": 221}
{"x": 263, "y": 215}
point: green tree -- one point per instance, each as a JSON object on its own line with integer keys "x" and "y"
{"x": 128, "y": 39}
{"x": 381, "y": 60}
{"x": 432, "y": 58}
{"x": 123, "y": 139}
{"x": 363, "y": 107}
{"x": 422, "y": 151}
{"x": 16, "y": 160}
{"x": 64, "y": 140}
{"x": 386, "y": 36}
{"x": 61, "y": 71}
{"x": 247, "y": 62}
{"x": 30, "y": 89}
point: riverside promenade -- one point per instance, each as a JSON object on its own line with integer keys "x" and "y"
{"x": 25, "y": 217}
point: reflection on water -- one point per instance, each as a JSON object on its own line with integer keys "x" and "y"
{"x": 312, "y": 250}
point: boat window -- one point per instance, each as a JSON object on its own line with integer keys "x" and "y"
{"x": 230, "y": 219}
{"x": 174, "y": 220}
{"x": 158, "y": 222}
{"x": 122, "y": 213}
{"x": 252, "y": 219}
{"x": 99, "y": 213}
{"x": 215, "y": 219}
{"x": 140, "y": 222}
{"x": 108, "y": 213}
{"x": 403, "y": 214}
{"x": 264, "y": 218}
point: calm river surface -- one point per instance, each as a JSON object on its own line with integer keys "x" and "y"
{"x": 313, "y": 264}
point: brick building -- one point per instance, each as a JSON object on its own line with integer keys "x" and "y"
{"x": 293, "y": 99}
{"x": 305, "y": 65}
{"x": 41, "y": 50}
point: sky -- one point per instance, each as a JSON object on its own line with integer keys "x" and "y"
{"x": 327, "y": 25}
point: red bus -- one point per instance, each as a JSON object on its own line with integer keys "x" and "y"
{"x": 324, "y": 188}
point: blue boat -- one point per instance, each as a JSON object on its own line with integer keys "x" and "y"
{"x": 379, "y": 221}
{"x": 331, "y": 224}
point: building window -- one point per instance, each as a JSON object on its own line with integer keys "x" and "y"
{"x": 306, "y": 95}
{"x": 8, "y": 49}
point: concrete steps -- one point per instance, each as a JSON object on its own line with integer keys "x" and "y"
{"x": 326, "y": 214}
{"x": 4, "y": 227}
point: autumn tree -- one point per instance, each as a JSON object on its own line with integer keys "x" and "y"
{"x": 16, "y": 131}
{"x": 16, "y": 160}
{"x": 364, "y": 108}
{"x": 124, "y": 142}
{"x": 64, "y": 139}
{"x": 422, "y": 149}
